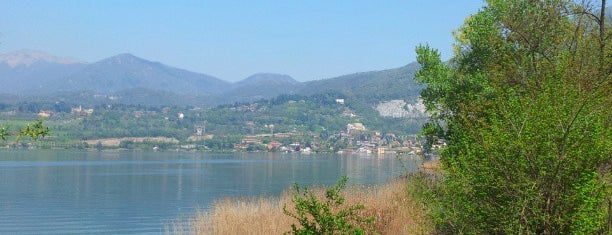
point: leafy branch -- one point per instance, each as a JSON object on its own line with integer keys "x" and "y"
{"x": 34, "y": 130}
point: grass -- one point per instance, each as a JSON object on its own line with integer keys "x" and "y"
{"x": 396, "y": 212}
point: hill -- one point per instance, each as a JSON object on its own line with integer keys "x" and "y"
{"x": 126, "y": 71}
{"x": 128, "y": 79}
{"x": 28, "y": 72}
{"x": 370, "y": 87}
{"x": 259, "y": 86}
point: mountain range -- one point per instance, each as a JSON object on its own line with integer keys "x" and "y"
{"x": 128, "y": 79}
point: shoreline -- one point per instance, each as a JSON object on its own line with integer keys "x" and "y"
{"x": 394, "y": 204}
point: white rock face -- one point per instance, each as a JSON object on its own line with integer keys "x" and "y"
{"x": 28, "y": 57}
{"x": 401, "y": 109}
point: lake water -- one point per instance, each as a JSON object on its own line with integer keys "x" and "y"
{"x": 62, "y": 192}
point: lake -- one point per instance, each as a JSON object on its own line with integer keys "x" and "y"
{"x": 72, "y": 192}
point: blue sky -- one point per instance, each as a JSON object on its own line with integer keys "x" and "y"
{"x": 231, "y": 40}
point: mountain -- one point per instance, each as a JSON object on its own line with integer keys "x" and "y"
{"x": 27, "y": 57}
{"x": 126, "y": 71}
{"x": 271, "y": 79}
{"x": 370, "y": 87}
{"x": 28, "y": 72}
{"x": 259, "y": 86}
{"x": 127, "y": 79}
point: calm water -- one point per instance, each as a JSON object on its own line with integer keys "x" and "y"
{"x": 60, "y": 192}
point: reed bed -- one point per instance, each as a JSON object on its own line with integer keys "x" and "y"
{"x": 395, "y": 212}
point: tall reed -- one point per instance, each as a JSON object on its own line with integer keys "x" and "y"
{"x": 396, "y": 212}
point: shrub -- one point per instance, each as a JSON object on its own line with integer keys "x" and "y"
{"x": 329, "y": 216}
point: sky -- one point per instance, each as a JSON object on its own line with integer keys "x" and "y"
{"x": 231, "y": 40}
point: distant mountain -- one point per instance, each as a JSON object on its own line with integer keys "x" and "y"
{"x": 27, "y": 57}
{"x": 128, "y": 79}
{"x": 260, "y": 86}
{"x": 271, "y": 79}
{"x": 370, "y": 87}
{"x": 33, "y": 72}
{"x": 126, "y": 71}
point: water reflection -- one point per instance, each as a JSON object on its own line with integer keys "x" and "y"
{"x": 93, "y": 192}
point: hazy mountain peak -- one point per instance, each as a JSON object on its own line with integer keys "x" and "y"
{"x": 125, "y": 58}
{"x": 126, "y": 71}
{"x": 270, "y": 78}
{"x": 128, "y": 56}
{"x": 260, "y": 86}
{"x": 28, "y": 57}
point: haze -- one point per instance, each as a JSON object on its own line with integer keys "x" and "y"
{"x": 307, "y": 40}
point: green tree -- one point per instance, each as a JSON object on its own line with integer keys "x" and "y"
{"x": 524, "y": 108}
{"x": 34, "y": 130}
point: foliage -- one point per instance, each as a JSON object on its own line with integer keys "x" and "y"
{"x": 524, "y": 108}
{"x": 369, "y": 88}
{"x": 326, "y": 217}
{"x": 308, "y": 119}
{"x": 33, "y": 130}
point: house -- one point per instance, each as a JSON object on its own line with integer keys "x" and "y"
{"x": 45, "y": 114}
{"x": 352, "y": 128}
{"x": 80, "y": 111}
{"x": 348, "y": 113}
{"x": 274, "y": 145}
{"x": 339, "y": 101}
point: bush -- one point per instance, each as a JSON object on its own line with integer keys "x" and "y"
{"x": 326, "y": 217}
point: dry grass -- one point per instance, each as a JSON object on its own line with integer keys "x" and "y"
{"x": 395, "y": 212}
{"x": 432, "y": 166}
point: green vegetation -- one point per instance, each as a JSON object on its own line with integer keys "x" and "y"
{"x": 329, "y": 217}
{"x": 395, "y": 211}
{"x": 524, "y": 108}
{"x": 307, "y": 114}
{"x": 33, "y": 130}
{"x": 369, "y": 88}
{"x": 314, "y": 121}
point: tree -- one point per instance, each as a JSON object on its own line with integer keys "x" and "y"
{"x": 34, "y": 130}
{"x": 524, "y": 108}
